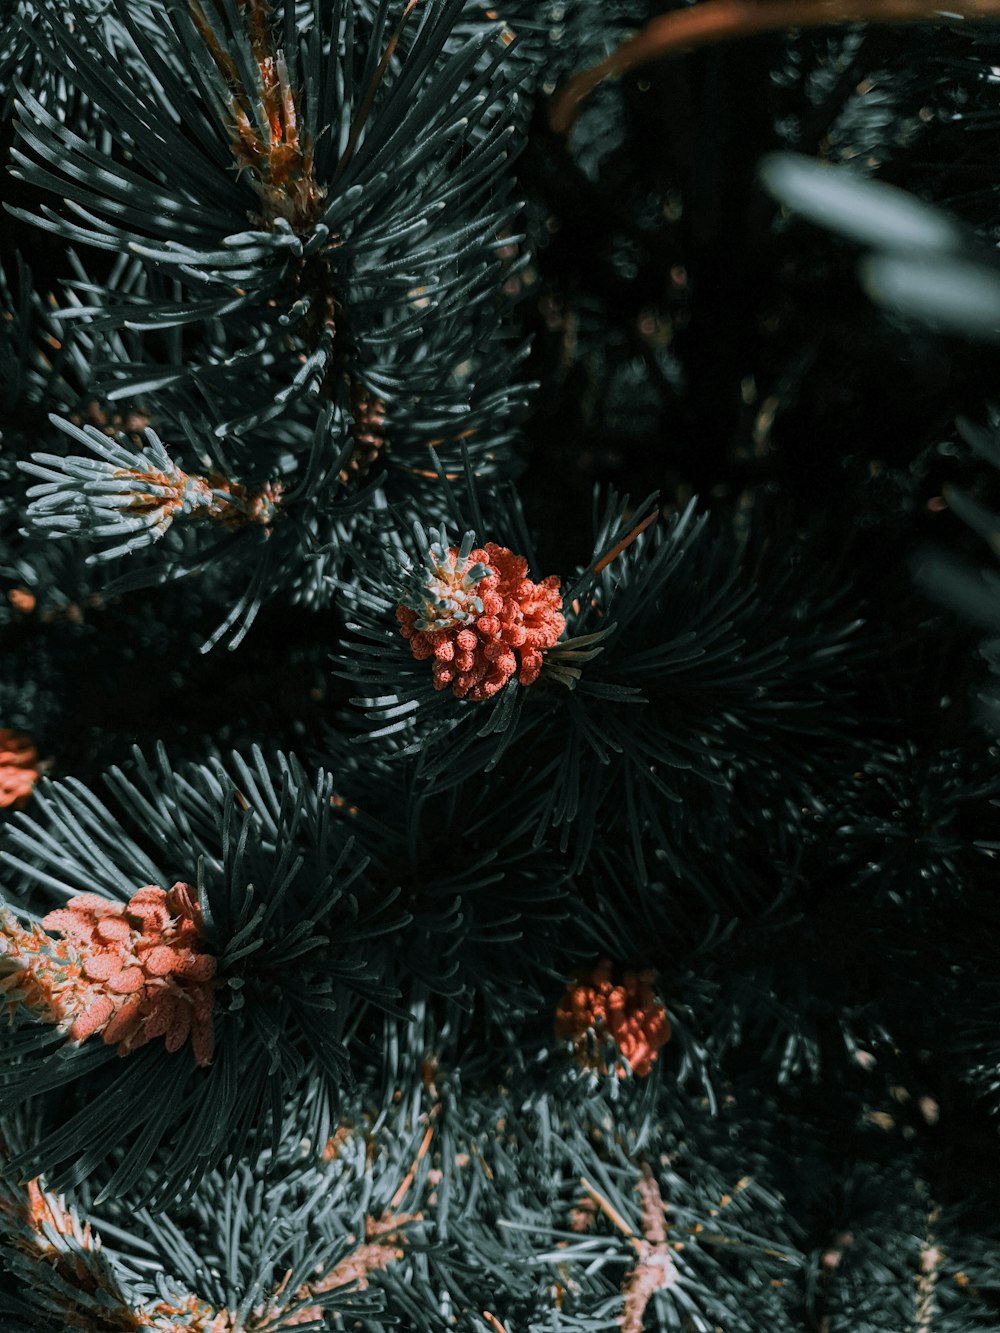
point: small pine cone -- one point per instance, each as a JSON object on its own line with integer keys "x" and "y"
{"x": 368, "y": 430}
{"x": 19, "y": 768}
{"x": 594, "y": 1009}
{"x": 130, "y": 971}
{"x": 481, "y": 618}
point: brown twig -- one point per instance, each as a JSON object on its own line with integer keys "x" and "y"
{"x": 626, "y": 541}
{"x": 655, "y": 1267}
{"x": 930, "y": 1272}
{"x": 714, "y": 21}
{"x": 611, "y": 1212}
{"x": 407, "y": 1180}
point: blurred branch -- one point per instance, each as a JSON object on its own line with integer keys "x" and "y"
{"x": 715, "y": 21}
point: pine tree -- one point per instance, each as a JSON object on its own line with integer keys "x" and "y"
{"x": 498, "y": 705}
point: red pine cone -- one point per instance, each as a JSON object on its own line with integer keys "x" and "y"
{"x": 594, "y": 1008}
{"x": 19, "y": 768}
{"x": 519, "y": 620}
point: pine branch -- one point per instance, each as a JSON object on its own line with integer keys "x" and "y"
{"x": 281, "y": 900}
{"x": 387, "y": 281}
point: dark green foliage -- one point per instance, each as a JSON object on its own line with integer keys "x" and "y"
{"x": 292, "y": 293}
{"x": 900, "y": 1259}
{"x": 907, "y": 818}
{"x": 466, "y": 871}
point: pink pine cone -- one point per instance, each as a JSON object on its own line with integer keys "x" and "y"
{"x": 138, "y": 971}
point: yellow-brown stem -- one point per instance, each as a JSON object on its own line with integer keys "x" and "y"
{"x": 626, "y": 541}
{"x": 364, "y": 111}
{"x": 281, "y": 162}
{"x": 610, "y": 1212}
